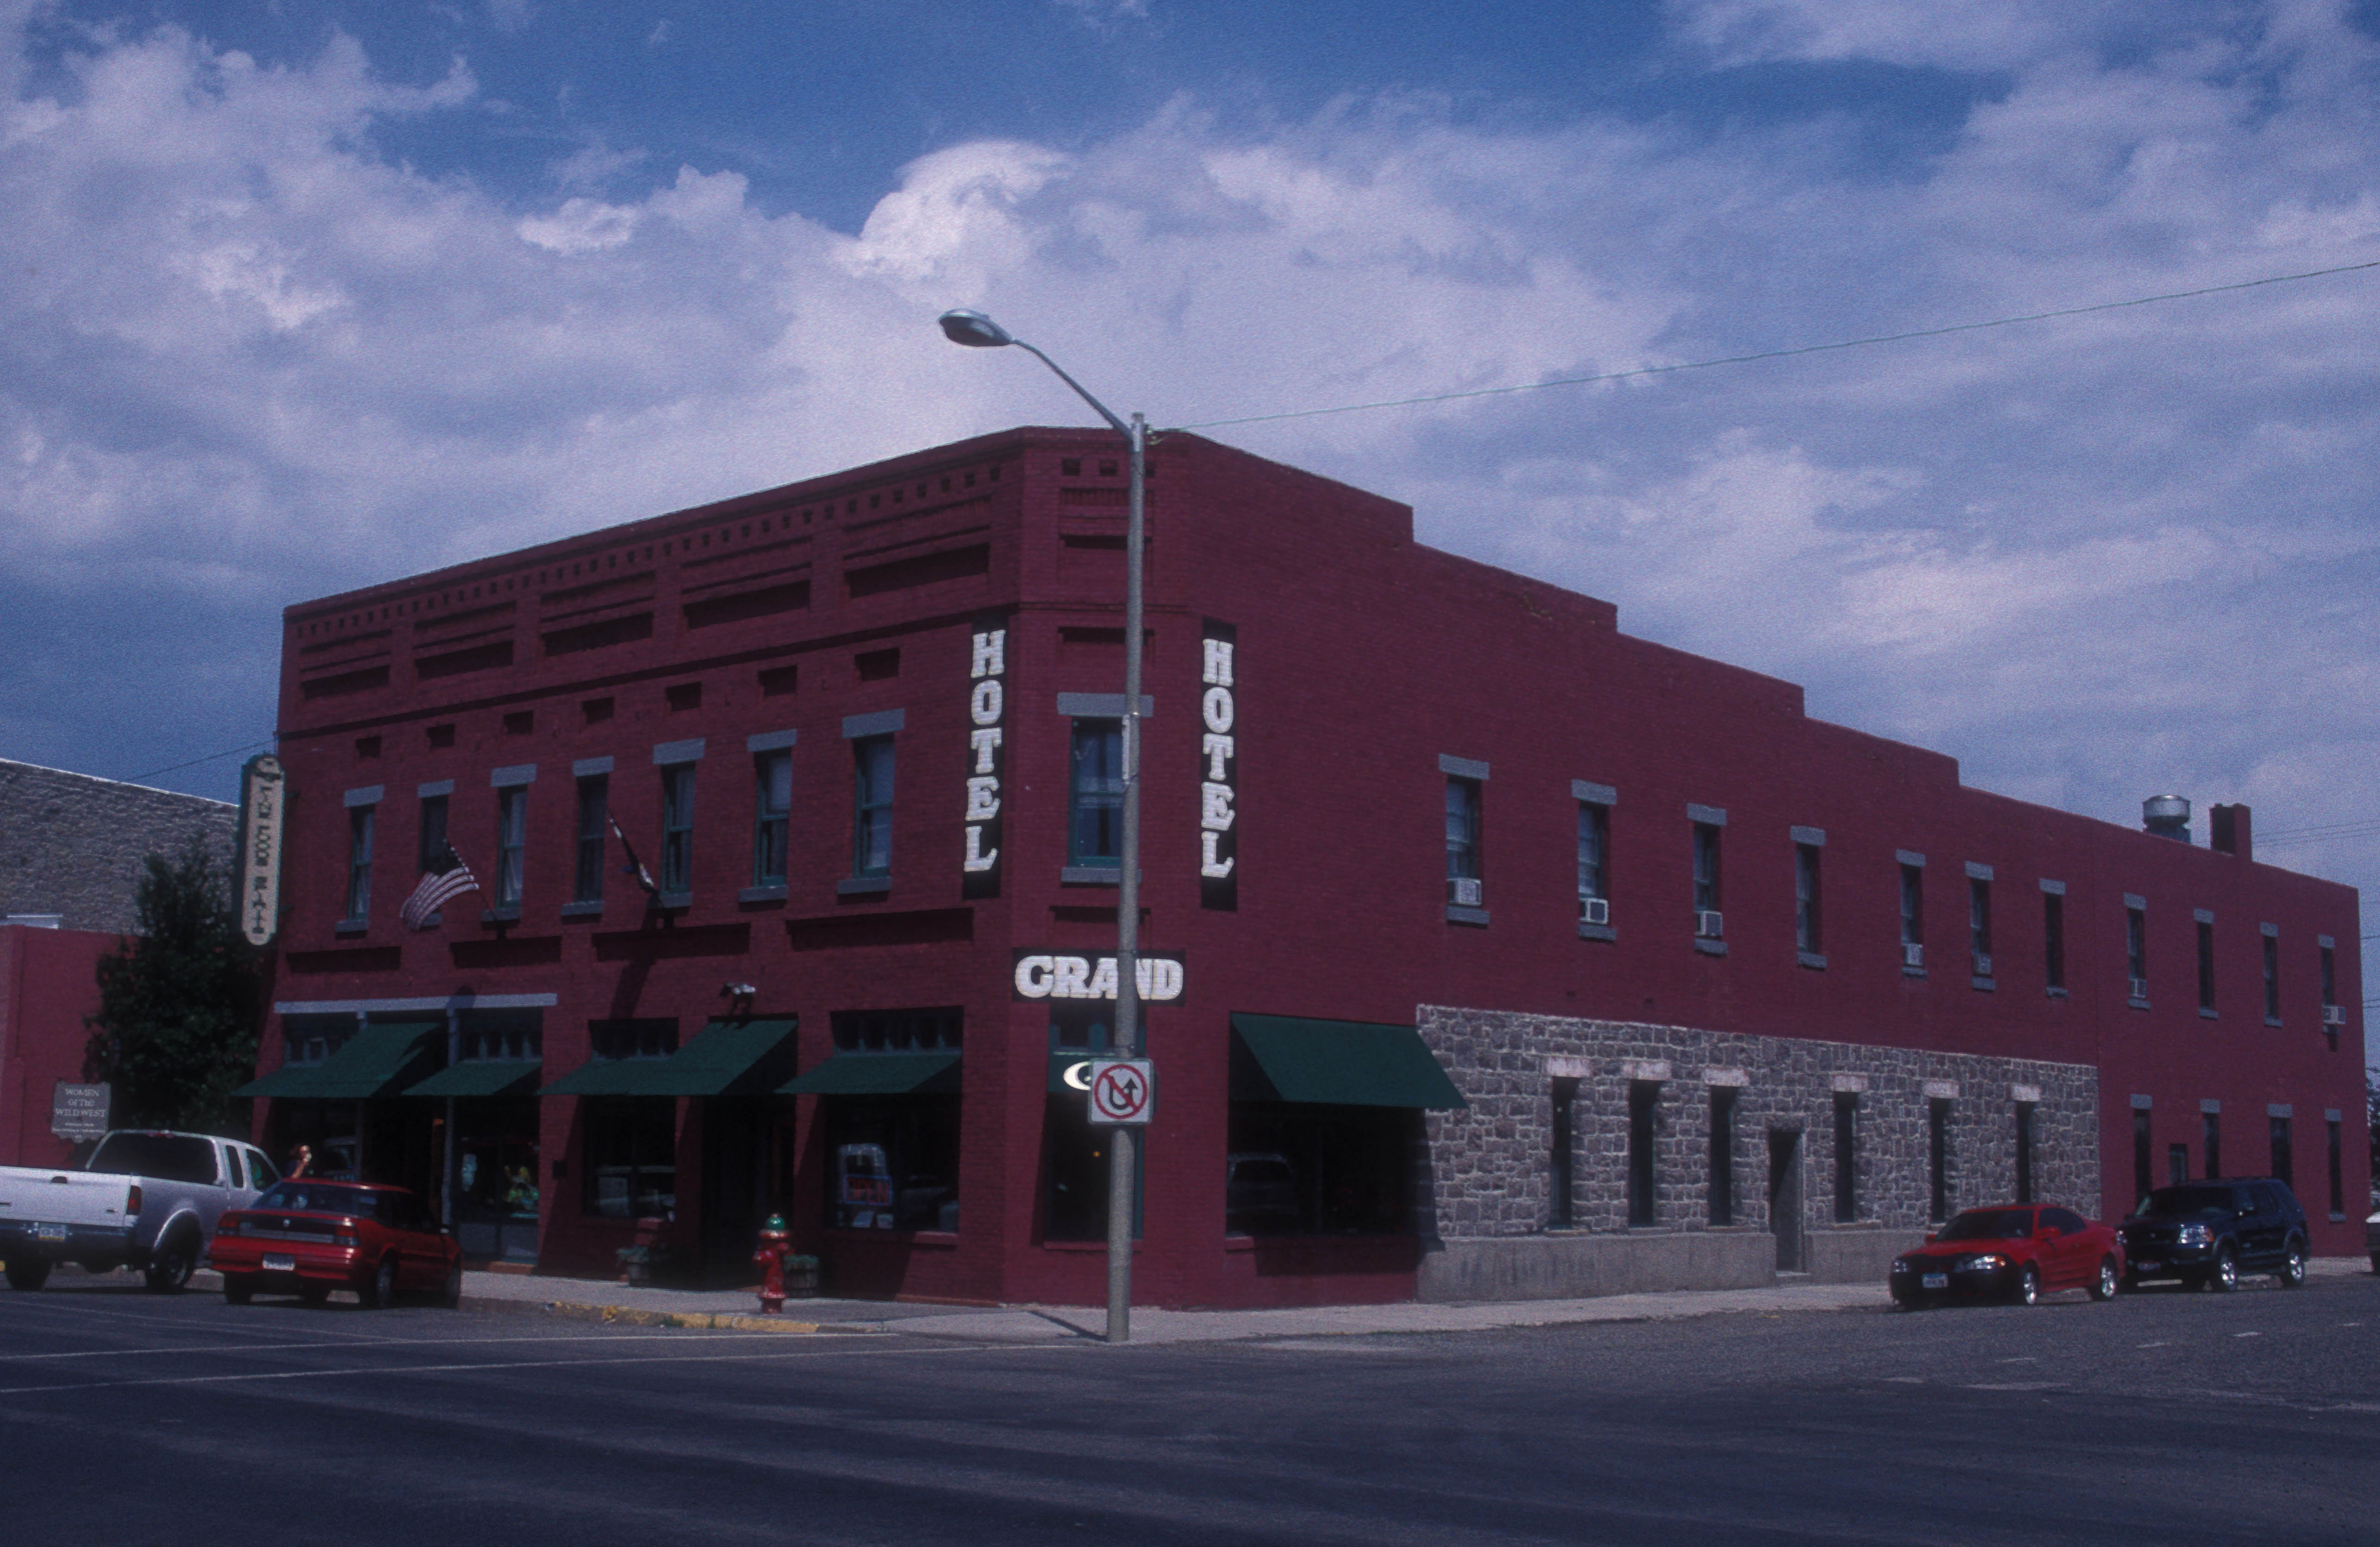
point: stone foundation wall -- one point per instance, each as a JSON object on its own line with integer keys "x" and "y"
{"x": 1488, "y": 1171}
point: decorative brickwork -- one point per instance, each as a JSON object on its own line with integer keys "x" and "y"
{"x": 74, "y": 845}
{"x": 1491, "y": 1165}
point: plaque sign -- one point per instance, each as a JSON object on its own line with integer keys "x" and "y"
{"x": 263, "y": 794}
{"x": 79, "y": 1112}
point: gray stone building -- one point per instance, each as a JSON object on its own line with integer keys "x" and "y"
{"x": 72, "y": 846}
{"x": 1598, "y": 1157}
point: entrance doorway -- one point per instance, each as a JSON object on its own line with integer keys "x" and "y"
{"x": 735, "y": 1186}
{"x": 1785, "y": 1196}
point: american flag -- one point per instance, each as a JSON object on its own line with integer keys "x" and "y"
{"x": 446, "y": 878}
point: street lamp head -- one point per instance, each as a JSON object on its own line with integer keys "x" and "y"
{"x": 974, "y": 330}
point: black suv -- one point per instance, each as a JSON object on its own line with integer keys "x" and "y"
{"x": 2210, "y": 1232}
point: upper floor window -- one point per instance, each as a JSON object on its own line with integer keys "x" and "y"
{"x": 360, "y": 823}
{"x": 1913, "y": 915}
{"x": 2329, "y": 983}
{"x": 1806, "y": 932}
{"x": 594, "y": 812}
{"x": 1595, "y": 859}
{"x": 512, "y": 832}
{"x": 678, "y": 829}
{"x": 2271, "y": 976}
{"x": 2136, "y": 948}
{"x": 430, "y": 845}
{"x": 2207, "y": 964}
{"x": 871, "y": 843}
{"x": 1463, "y": 818}
{"x": 772, "y": 804}
{"x": 1095, "y": 794}
{"x": 1979, "y": 924}
{"x": 2053, "y": 930}
{"x": 1707, "y": 918}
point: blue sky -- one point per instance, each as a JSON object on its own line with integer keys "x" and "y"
{"x": 304, "y": 296}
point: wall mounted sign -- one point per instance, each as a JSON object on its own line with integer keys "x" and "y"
{"x": 1219, "y": 755}
{"x": 79, "y": 1112}
{"x": 263, "y": 792}
{"x": 1052, "y": 975}
{"x": 987, "y": 754}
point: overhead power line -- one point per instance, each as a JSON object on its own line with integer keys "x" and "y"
{"x": 211, "y": 757}
{"x": 1780, "y": 354}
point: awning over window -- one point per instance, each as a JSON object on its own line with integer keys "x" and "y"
{"x": 1336, "y": 1063}
{"x": 726, "y": 1058}
{"x": 380, "y": 1060}
{"x": 491, "y": 1077}
{"x": 879, "y": 1074}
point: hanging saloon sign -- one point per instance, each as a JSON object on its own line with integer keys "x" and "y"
{"x": 263, "y": 792}
{"x": 1218, "y": 774}
{"x": 987, "y": 755}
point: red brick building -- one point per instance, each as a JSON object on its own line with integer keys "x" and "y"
{"x": 1489, "y": 948}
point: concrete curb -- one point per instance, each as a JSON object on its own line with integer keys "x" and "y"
{"x": 621, "y": 1315}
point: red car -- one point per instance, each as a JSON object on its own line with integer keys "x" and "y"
{"x": 307, "y": 1237}
{"x": 2013, "y": 1251}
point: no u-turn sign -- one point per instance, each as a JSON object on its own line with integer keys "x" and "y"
{"x": 1123, "y": 1090}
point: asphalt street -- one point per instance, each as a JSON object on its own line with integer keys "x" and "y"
{"x": 2164, "y": 1415}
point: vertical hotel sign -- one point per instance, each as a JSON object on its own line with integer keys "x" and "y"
{"x": 987, "y": 753}
{"x": 263, "y": 794}
{"x": 1219, "y": 755}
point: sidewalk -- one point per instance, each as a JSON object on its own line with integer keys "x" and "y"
{"x": 737, "y": 1310}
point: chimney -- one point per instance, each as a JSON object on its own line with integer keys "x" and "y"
{"x": 2168, "y": 816}
{"x": 2231, "y": 832}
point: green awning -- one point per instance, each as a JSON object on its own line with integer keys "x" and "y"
{"x": 489, "y": 1077}
{"x": 1337, "y": 1062}
{"x": 726, "y": 1057}
{"x": 377, "y": 1061}
{"x": 879, "y": 1074}
{"x": 289, "y": 1080}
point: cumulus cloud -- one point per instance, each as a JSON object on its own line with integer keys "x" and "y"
{"x": 247, "y": 357}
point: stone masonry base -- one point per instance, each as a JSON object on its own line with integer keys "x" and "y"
{"x": 1565, "y": 1267}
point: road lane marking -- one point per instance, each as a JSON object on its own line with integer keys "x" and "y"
{"x": 2152, "y": 1344}
{"x": 823, "y": 1349}
{"x": 2248, "y": 1334}
{"x": 360, "y": 1343}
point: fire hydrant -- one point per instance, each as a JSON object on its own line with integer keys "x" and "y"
{"x": 770, "y": 1256}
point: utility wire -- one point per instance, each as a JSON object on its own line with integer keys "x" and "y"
{"x": 211, "y": 757}
{"x": 1781, "y": 354}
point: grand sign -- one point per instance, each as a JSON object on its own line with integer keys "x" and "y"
{"x": 263, "y": 792}
{"x": 1055, "y": 975}
{"x": 987, "y": 755}
{"x": 1218, "y": 754}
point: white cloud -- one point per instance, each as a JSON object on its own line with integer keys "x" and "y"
{"x": 243, "y": 354}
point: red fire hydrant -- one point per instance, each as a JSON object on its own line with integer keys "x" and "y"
{"x": 772, "y": 1259}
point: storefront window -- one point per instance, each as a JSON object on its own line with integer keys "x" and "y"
{"x": 631, "y": 1156}
{"x": 1296, "y": 1169}
{"x": 896, "y": 1161}
{"x": 495, "y": 1178}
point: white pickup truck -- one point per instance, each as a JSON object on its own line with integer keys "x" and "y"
{"x": 146, "y": 1198}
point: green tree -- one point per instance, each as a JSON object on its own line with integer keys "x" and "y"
{"x": 176, "y": 1033}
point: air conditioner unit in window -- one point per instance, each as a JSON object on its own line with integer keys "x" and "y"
{"x": 1709, "y": 925}
{"x": 1983, "y": 964}
{"x": 2140, "y": 988}
{"x": 1465, "y": 890}
{"x": 2334, "y": 1015}
{"x": 1913, "y": 955}
{"x": 1595, "y": 911}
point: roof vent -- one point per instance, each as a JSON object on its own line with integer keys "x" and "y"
{"x": 2168, "y": 816}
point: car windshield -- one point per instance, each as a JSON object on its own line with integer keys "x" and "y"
{"x": 1989, "y": 1224}
{"x": 2199, "y": 1203}
{"x": 321, "y": 1198}
{"x": 168, "y": 1157}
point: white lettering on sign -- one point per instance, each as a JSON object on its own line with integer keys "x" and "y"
{"x": 1218, "y": 752}
{"x": 260, "y": 822}
{"x": 1052, "y": 976}
{"x": 986, "y": 760}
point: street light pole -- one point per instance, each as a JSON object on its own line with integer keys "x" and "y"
{"x": 977, "y": 331}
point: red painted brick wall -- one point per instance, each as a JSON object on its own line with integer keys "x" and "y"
{"x": 48, "y": 984}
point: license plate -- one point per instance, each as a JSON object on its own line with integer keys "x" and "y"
{"x": 280, "y": 1262}
{"x": 49, "y": 1231}
{"x": 1937, "y": 1281}
{"x": 2145, "y": 1265}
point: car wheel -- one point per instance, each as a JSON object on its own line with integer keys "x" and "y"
{"x": 2292, "y": 1273}
{"x": 381, "y": 1293}
{"x": 2028, "y": 1285}
{"x": 238, "y": 1289}
{"x": 170, "y": 1265}
{"x": 2105, "y": 1289}
{"x": 2224, "y": 1276}
{"x": 451, "y": 1296}
{"x": 27, "y": 1272}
